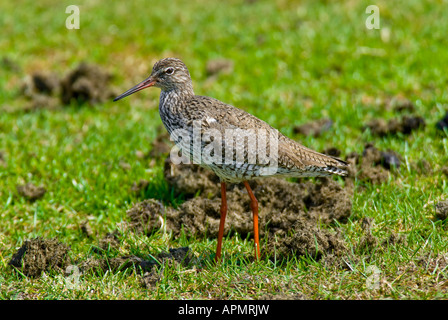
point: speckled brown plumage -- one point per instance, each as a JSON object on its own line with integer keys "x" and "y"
{"x": 180, "y": 108}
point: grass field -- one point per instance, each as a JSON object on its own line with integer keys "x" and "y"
{"x": 293, "y": 62}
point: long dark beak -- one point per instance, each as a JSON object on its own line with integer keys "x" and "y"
{"x": 148, "y": 82}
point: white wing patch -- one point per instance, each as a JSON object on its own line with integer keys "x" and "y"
{"x": 211, "y": 120}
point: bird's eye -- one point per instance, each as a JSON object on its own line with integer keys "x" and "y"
{"x": 169, "y": 70}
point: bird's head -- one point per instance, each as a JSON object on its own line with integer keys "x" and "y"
{"x": 167, "y": 74}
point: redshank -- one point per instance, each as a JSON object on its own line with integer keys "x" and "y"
{"x": 185, "y": 114}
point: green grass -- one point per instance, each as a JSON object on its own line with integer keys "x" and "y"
{"x": 293, "y": 62}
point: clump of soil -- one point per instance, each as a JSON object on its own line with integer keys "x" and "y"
{"x": 442, "y": 210}
{"x": 40, "y": 88}
{"x": 315, "y": 128}
{"x": 190, "y": 179}
{"x": 111, "y": 241}
{"x": 280, "y": 204}
{"x": 373, "y": 165}
{"x": 87, "y": 83}
{"x": 46, "y": 83}
{"x": 181, "y": 256}
{"x": 30, "y": 191}
{"x": 150, "y": 279}
{"x": 402, "y": 104}
{"x": 405, "y": 125}
{"x": 306, "y": 239}
{"x": 332, "y": 151}
{"x": 105, "y": 264}
{"x": 216, "y": 66}
{"x": 445, "y": 170}
{"x": 442, "y": 124}
{"x": 39, "y": 255}
{"x": 86, "y": 229}
{"x": 39, "y": 82}
{"x": 150, "y": 215}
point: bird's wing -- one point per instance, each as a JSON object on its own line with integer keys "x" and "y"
{"x": 215, "y": 114}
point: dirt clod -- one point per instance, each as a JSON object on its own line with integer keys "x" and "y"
{"x": 332, "y": 151}
{"x": 216, "y": 66}
{"x": 150, "y": 279}
{"x": 46, "y": 83}
{"x": 405, "y": 125}
{"x": 181, "y": 256}
{"x": 442, "y": 210}
{"x": 373, "y": 165}
{"x": 86, "y": 229}
{"x": 280, "y": 204}
{"x": 39, "y": 255}
{"x": 30, "y": 191}
{"x": 307, "y": 239}
{"x": 402, "y": 104}
{"x": 314, "y": 128}
{"x": 190, "y": 179}
{"x": 86, "y": 83}
{"x": 442, "y": 124}
{"x": 110, "y": 241}
{"x": 151, "y": 215}
{"x": 445, "y": 170}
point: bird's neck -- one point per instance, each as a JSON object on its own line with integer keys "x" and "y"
{"x": 173, "y": 100}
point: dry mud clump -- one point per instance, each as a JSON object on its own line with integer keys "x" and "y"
{"x": 182, "y": 256}
{"x": 442, "y": 124}
{"x": 283, "y": 207}
{"x": 373, "y": 165}
{"x": 30, "y": 191}
{"x": 86, "y": 83}
{"x": 189, "y": 179}
{"x": 40, "y": 88}
{"x": 306, "y": 239}
{"x": 442, "y": 210}
{"x": 217, "y": 66}
{"x": 39, "y": 255}
{"x": 405, "y": 125}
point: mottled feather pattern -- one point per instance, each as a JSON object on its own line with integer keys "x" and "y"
{"x": 179, "y": 107}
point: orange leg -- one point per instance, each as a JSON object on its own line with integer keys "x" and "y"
{"x": 222, "y": 222}
{"x": 254, "y": 207}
